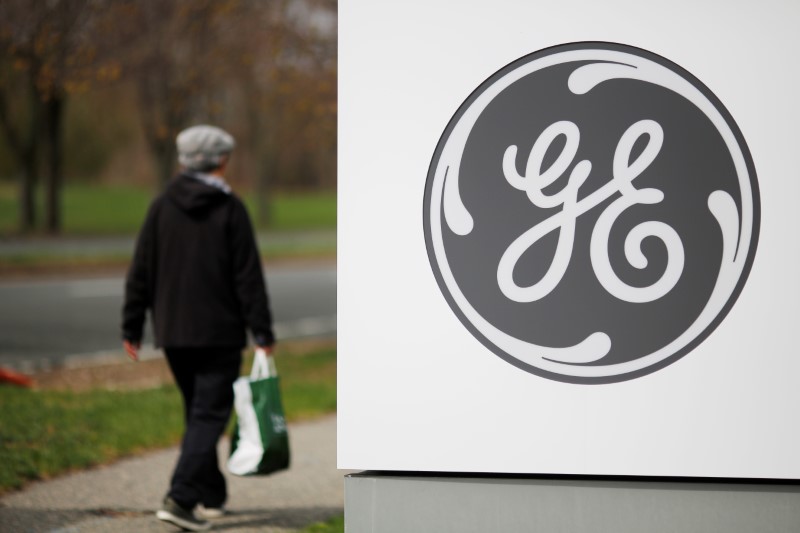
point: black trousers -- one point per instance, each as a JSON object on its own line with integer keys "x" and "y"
{"x": 205, "y": 377}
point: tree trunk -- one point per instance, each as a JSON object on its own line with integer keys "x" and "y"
{"x": 264, "y": 175}
{"x": 24, "y": 146}
{"x": 160, "y": 122}
{"x": 54, "y": 114}
{"x": 27, "y": 194}
{"x": 263, "y": 197}
{"x": 166, "y": 158}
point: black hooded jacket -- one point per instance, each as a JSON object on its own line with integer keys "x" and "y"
{"x": 197, "y": 268}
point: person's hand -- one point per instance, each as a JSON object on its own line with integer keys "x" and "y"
{"x": 132, "y": 349}
{"x": 268, "y": 349}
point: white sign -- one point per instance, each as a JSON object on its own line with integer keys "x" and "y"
{"x": 568, "y": 249}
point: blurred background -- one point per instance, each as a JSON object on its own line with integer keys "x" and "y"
{"x": 92, "y": 96}
{"x": 93, "y": 93}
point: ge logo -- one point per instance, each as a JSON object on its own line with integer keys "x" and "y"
{"x": 591, "y": 213}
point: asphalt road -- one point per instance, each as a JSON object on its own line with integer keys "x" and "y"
{"x": 44, "y": 323}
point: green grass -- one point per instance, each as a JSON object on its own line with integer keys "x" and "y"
{"x": 97, "y": 210}
{"x": 87, "y": 209}
{"x": 315, "y": 210}
{"x": 92, "y": 210}
{"x": 308, "y": 382}
{"x": 9, "y": 211}
{"x": 334, "y": 525}
{"x": 45, "y": 433}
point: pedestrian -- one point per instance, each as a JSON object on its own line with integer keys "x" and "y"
{"x": 197, "y": 269}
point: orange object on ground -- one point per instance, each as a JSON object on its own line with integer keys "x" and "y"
{"x": 15, "y": 378}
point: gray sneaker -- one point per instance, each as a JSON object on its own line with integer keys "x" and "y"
{"x": 184, "y": 518}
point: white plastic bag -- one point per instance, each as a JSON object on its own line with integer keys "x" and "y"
{"x": 260, "y": 443}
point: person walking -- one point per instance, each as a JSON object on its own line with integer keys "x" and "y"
{"x": 197, "y": 269}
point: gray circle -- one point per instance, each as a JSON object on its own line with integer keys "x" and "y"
{"x": 702, "y": 156}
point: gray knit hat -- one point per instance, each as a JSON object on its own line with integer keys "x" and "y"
{"x": 202, "y": 147}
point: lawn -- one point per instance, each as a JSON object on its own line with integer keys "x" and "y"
{"x": 299, "y": 211}
{"x": 104, "y": 210}
{"x": 302, "y": 226}
{"x": 9, "y": 212}
{"x": 45, "y": 433}
{"x": 334, "y": 525}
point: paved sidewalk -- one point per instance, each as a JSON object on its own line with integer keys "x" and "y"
{"x": 122, "y": 497}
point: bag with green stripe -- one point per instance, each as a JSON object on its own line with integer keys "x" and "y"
{"x": 260, "y": 442}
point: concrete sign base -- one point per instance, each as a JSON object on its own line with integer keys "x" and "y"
{"x": 387, "y": 503}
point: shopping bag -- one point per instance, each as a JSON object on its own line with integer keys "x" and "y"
{"x": 260, "y": 443}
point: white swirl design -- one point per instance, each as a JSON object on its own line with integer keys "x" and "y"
{"x": 624, "y": 174}
{"x": 446, "y": 203}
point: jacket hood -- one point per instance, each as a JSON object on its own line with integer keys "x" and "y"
{"x": 193, "y": 195}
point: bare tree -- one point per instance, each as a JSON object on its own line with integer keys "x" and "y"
{"x": 55, "y": 46}
{"x": 266, "y": 69}
{"x": 22, "y": 125}
{"x": 293, "y": 94}
{"x": 182, "y": 64}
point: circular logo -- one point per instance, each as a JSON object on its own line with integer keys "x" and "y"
{"x": 591, "y": 213}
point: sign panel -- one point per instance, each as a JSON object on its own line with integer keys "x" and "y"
{"x": 613, "y": 138}
{"x": 568, "y": 250}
